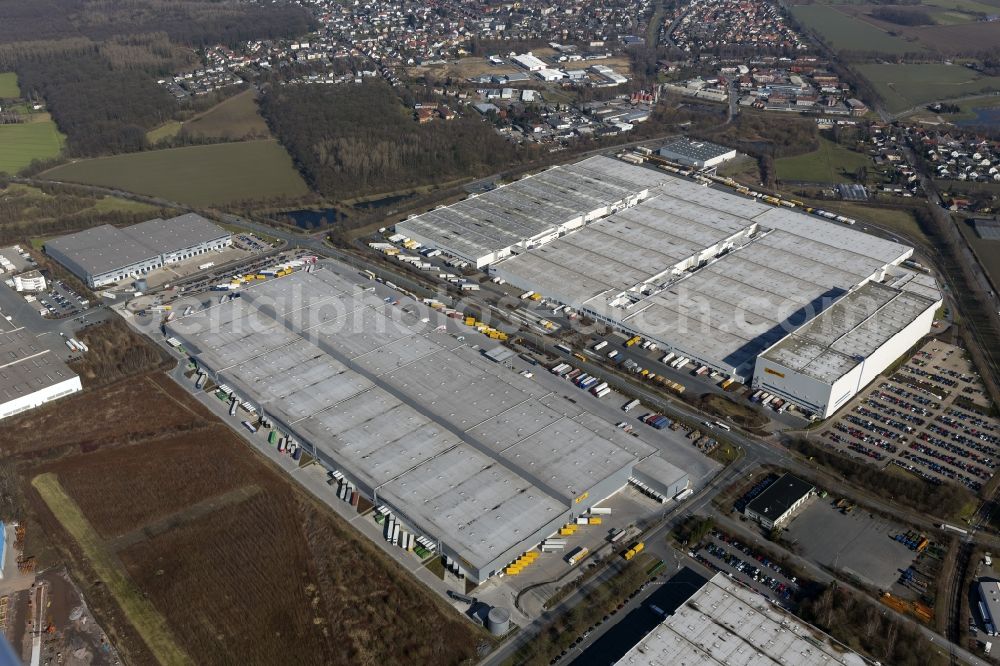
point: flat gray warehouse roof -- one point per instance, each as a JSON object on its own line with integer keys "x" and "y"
{"x": 773, "y": 269}
{"x": 100, "y": 249}
{"x": 726, "y": 623}
{"x": 840, "y": 338}
{"x": 106, "y": 248}
{"x": 469, "y": 451}
{"x": 531, "y": 206}
{"x": 26, "y": 366}
{"x": 179, "y": 232}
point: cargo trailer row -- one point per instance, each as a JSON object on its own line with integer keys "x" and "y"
{"x": 658, "y": 421}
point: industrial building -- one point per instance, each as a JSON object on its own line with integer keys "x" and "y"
{"x": 471, "y": 454}
{"x": 529, "y": 62}
{"x": 30, "y": 374}
{"x": 106, "y": 254}
{"x": 989, "y": 605}
{"x": 532, "y": 211}
{"x": 695, "y": 152}
{"x": 713, "y": 277}
{"x": 830, "y": 359}
{"x": 726, "y": 623}
{"x": 773, "y": 507}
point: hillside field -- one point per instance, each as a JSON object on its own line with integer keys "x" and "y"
{"x": 8, "y": 86}
{"x": 217, "y": 174}
{"x": 905, "y": 86}
{"x": 38, "y": 139}
{"x": 233, "y": 119}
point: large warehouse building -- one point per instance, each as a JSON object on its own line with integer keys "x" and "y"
{"x": 471, "y": 454}
{"x": 532, "y": 211}
{"x": 726, "y": 623}
{"x": 721, "y": 279}
{"x": 106, "y": 254}
{"x": 30, "y": 374}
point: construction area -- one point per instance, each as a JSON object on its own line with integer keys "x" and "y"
{"x": 460, "y": 454}
{"x": 931, "y": 417}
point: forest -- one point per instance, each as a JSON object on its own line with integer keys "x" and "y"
{"x": 99, "y": 109}
{"x": 349, "y": 142}
{"x": 190, "y": 22}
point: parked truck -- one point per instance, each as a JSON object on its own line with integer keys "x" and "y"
{"x": 630, "y": 405}
{"x": 577, "y": 555}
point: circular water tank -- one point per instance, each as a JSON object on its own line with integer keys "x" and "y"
{"x": 498, "y": 621}
{"x": 141, "y": 285}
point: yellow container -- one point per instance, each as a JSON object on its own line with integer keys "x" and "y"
{"x": 470, "y": 321}
{"x": 594, "y": 520}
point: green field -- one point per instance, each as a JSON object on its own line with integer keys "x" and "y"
{"x": 235, "y": 118}
{"x": 8, "y": 86}
{"x": 199, "y": 175}
{"x": 906, "y": 86}
{"x": 832, "y": 163}
{"x": 20, "y": 144}
{"x": 843, "y": 32}
{"x": 164, "y": 131}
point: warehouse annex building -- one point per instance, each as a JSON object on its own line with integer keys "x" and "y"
{"x": 480, "y": 459}
{"x": 106, "y": 254}
{"x": 718, "y": 279}
{"x": 30, "y": 374}
{"x": 697, "y": 153}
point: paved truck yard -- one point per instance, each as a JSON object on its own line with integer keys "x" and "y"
{"x": 930, "y": 417}
{"x": 480, "y": 459}
{"x": 857, "y": 543}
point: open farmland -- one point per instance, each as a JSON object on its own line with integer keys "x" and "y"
{"x": 142, "y": 489}
{"x": 847, "y": 33}
{"x": 216, "y": 174}
{"x": 38, "y": 139}
{"x": 905, "y": 86}
{"x": 8, "y": 86}
{"x": 831, "y": 163}
{"x": 955, "y": 30}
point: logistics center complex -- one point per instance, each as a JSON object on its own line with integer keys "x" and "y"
{"x": 475, "y": 456}
{"x": 804, "y": 308}
{"x": 104, "y": 255}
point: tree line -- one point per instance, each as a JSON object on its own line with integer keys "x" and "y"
{"x": 942, "y": 499}
{"x": 190, "y": 22}
{"x": 350, "y": 141}
{"x": 866, "y": 627}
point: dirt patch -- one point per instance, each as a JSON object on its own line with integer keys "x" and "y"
{"x": 186, "y": 472}
{"x": 72, "y": 631}
{"x": 241, "y": 564}
{"x": 725, "y": 407}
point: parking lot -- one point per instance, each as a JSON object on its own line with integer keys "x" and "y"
{"x": 725, "y": 553}
{"x": 852, "y": 541}
{"x": 61, "y": 301}
{"x": 931, "y": 417}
